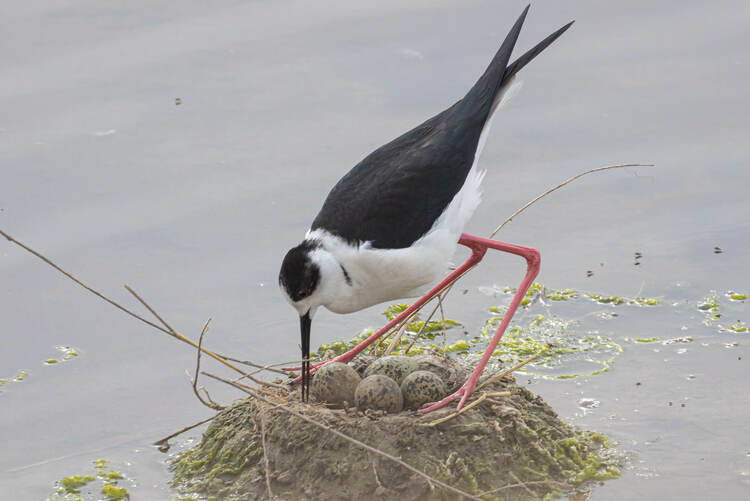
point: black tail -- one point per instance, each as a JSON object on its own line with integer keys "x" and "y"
{"x": 522, "y": 61}
{"x": 479, "y": 100}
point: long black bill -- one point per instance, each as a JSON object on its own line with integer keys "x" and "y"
{"x": 304, "y": 324}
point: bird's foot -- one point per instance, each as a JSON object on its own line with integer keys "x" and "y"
{"x": 464, "y": 392}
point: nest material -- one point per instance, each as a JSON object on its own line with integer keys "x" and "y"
{"x": 515, "y": 446}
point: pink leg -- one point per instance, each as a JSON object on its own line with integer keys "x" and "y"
{"x": 533, "y": 260}
{"x": 477, "y": 252}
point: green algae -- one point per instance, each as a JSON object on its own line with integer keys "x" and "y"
{"x": 68, "y": 353}
{"x": 647, "y": 339}
{"x": 427, "y": 331}
{"x": 17, "y": 379}
{"x": 540, "y": 291}
{"x": 739, "y": 327}
{"x": 713, "y": 311}
{"x": 108, "y": 480}
{"x": 75, "y": 482}
{"x": 490, "y": 446}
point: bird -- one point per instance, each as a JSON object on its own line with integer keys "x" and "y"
{"x": 390, "y": 226}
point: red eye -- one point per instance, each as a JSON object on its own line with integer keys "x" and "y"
{"x": 303, "y": 293}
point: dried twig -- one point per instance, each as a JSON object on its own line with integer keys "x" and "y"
{"x": 421, "y": 329}
{"x": 498, "y": 377}
{"x": 192, "y": 343}
{"x": 568, "y": 181}
{"x": 213, "y": 405}
{"x": 356, "y": 442}
{"x": 442, "y": 317}
{"x": 465, "y": 408}
{"x": 93, "y": 291}
{"x": 523, "y": 484}
{"x": 114, "y": 303}
{"x": 261, "y": 368}
{"x": 397, "y": 337}
{"x": 375, "y": 471}
{"x": 261, "y": 413}
{"x": 164, "y": 440}
{"x": 396, "y": 328}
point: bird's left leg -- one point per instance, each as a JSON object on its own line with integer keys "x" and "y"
{"x": 533, "y": 260}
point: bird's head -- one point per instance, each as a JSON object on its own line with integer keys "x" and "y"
{"x": 300, "y": 276}
{"x": 299, "y": 280}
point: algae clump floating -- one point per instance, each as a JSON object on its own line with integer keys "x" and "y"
{"x": 109, "y": 486}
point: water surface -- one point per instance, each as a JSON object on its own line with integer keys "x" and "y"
{"x": 194, "y": 205}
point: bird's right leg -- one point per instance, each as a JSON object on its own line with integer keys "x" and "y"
{"x": 477, "y": 252}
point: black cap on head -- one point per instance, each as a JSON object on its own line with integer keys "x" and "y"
{"x": 299, "y": 276}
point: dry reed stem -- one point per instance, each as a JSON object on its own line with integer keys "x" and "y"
{"x": 213, "y": 405}
{"x": 374, "y": 470}
{"x": 523, "y": 484}
{"x": 568, "y": 181}
{"x": 265, "y": 452}
{"x": 114, "y": 303}
{"x": 442, "y": 316}
{"x": 79, "y": 282}
{"x": 397, "y": 337}
{"x": 192, "y": 343}
{"x": 261, "y": 368}
{"x": 164, "y": 440}
{"x": 356, "y": 442}
{"x": 468, "y": 406}
{"x": 421, "y": 329}
{"x": 498, "y": 377}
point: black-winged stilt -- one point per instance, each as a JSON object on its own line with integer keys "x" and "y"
{"x": 390, "y": 226}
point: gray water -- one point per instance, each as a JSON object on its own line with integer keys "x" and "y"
{"x": 194, "y": 205}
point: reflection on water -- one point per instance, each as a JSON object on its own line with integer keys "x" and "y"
{"x": 193, "y": 202}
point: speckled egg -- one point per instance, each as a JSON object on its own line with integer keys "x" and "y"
{"x": 379, "y": 392}
{"x": 421, "y": 387}
{"x": 334, "y": 384}
{"x": 395, "y": 367}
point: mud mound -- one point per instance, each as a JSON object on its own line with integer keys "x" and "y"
{"x": 507, "y": 447}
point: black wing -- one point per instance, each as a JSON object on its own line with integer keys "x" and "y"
{"x": 393, "y": 196}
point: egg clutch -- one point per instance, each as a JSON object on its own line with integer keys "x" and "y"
{"x": 390, "y": 384}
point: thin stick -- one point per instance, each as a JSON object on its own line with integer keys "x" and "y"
{"x": 397, "y": 338}
{"x": 590, "y": 171}
{"x": 194, "y": 345}
{"x": 93, "y": 291}
{"x": 421, "y": 330}
{"x": 356, "y": 442}
{"x": 213, "y": 405}
{"x": 476, "y": 402}
{"x": 374, "y": 470}
{"x": 498, "y": 377}
{"x": 164, "y": 440}
{"x": 442, "y": 316}
{"x": 265, "y": 453}
{"x": 395, "y": 328}
{"x": 119, "y": 306}
{"x": 261, "y": 368}
{"x": 153, "y": 312}
{"x": 522, "y": 484}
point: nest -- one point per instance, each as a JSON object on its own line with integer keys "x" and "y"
{"x": 506, "y": 447}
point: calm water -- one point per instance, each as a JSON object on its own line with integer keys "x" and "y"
{"x": 194, "y": 205}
